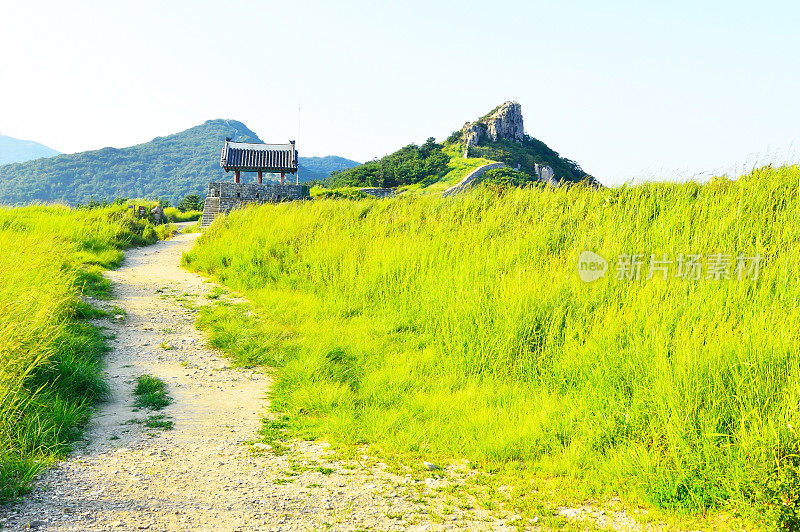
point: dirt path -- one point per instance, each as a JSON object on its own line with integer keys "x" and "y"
{"x": 204, "y": 474}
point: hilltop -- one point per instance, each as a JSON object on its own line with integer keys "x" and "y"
{"x": 18, "y": 151}
{"x": 497, "y": 136}
{"x": 500, "y": 136}
{"x": 169, "y": 167}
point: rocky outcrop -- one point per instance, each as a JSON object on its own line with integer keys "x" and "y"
{"x": 505, "y": 122}
{"x": 502, "y": 123}
{"x": 471, "y": 133}
{"x": 545, "y": 173}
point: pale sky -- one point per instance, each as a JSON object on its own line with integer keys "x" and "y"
{"x": 637, "y": 89}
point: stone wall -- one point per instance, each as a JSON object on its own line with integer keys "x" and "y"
{"x": 470, "y": 178}
{"x": 234, "y": 195}
{"x": 378, "y": 192}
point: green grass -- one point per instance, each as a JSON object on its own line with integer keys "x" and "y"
{"x": 151, "y": 392}
{"x": 352, "y": 193}
{"x": 443, "y": 329}
{"x": 50, "y": 355}
{"x": 216, "y": 293}
{"x": 155, "y": 421}
{"x": 274, "y": 433}
{"x": 193, "y": 228}
{"x": 457, "y": 169}
{"x": 158, "y": 421}
{"x": 175, "y": 215}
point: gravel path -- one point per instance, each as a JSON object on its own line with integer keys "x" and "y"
{"x": 204, "y": 474}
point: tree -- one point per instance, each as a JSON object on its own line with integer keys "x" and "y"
{"x": 163, "y": 203}
{"x": 192, "y": 202}
{"x": 410, "y": 164}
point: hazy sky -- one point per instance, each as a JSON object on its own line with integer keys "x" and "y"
{"x": 634, "y": 89}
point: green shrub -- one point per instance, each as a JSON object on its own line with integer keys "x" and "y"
{"x": 192, "y": 202}
{"x": 408, "y": 165}
{"x": 499, "y": 178}
{"x": 175, "y": 215}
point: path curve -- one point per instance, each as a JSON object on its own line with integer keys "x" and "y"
{"x": 203, "y": 474}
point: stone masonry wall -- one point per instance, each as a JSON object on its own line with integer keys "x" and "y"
{"x": 234, "y": 195}
{"x": 378, "y": 192}
{"x": 470, "y": 178}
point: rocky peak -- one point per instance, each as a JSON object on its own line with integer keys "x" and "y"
{"x": 504, "y": 122}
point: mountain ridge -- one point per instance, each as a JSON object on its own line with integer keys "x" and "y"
{"x": 169, "y": 167}
{"x": 14, "y": 150}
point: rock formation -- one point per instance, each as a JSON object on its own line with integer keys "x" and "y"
{"x": 545, "y": 173}
{"x": 505, "y": 122}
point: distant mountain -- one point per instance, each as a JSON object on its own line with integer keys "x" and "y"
{"x": 319, "y": 168}
{"x": 170, "y": 167}
{"x": 18, "y": 151}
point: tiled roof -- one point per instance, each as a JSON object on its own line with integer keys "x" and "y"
{"x": 251, "y": 157}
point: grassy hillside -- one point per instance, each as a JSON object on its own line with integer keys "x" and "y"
{"x": 528, "y": 153}
{"x": 457, "y": 169}
{"x": 50, "y": 356}
{"x": 427, "y": 169}
{"x": 459, "y": 328}
{"x": 416, "y": 168}
{"x": 170, "y": 167}
{"x": 16, "y": 151}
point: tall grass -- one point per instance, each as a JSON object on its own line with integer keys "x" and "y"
{"x": 173, "y": 214}
{"x": 49, "y": 355}
{"x": 447, "y": 328}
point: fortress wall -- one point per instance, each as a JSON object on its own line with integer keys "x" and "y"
{"x": 234, "y": 195}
